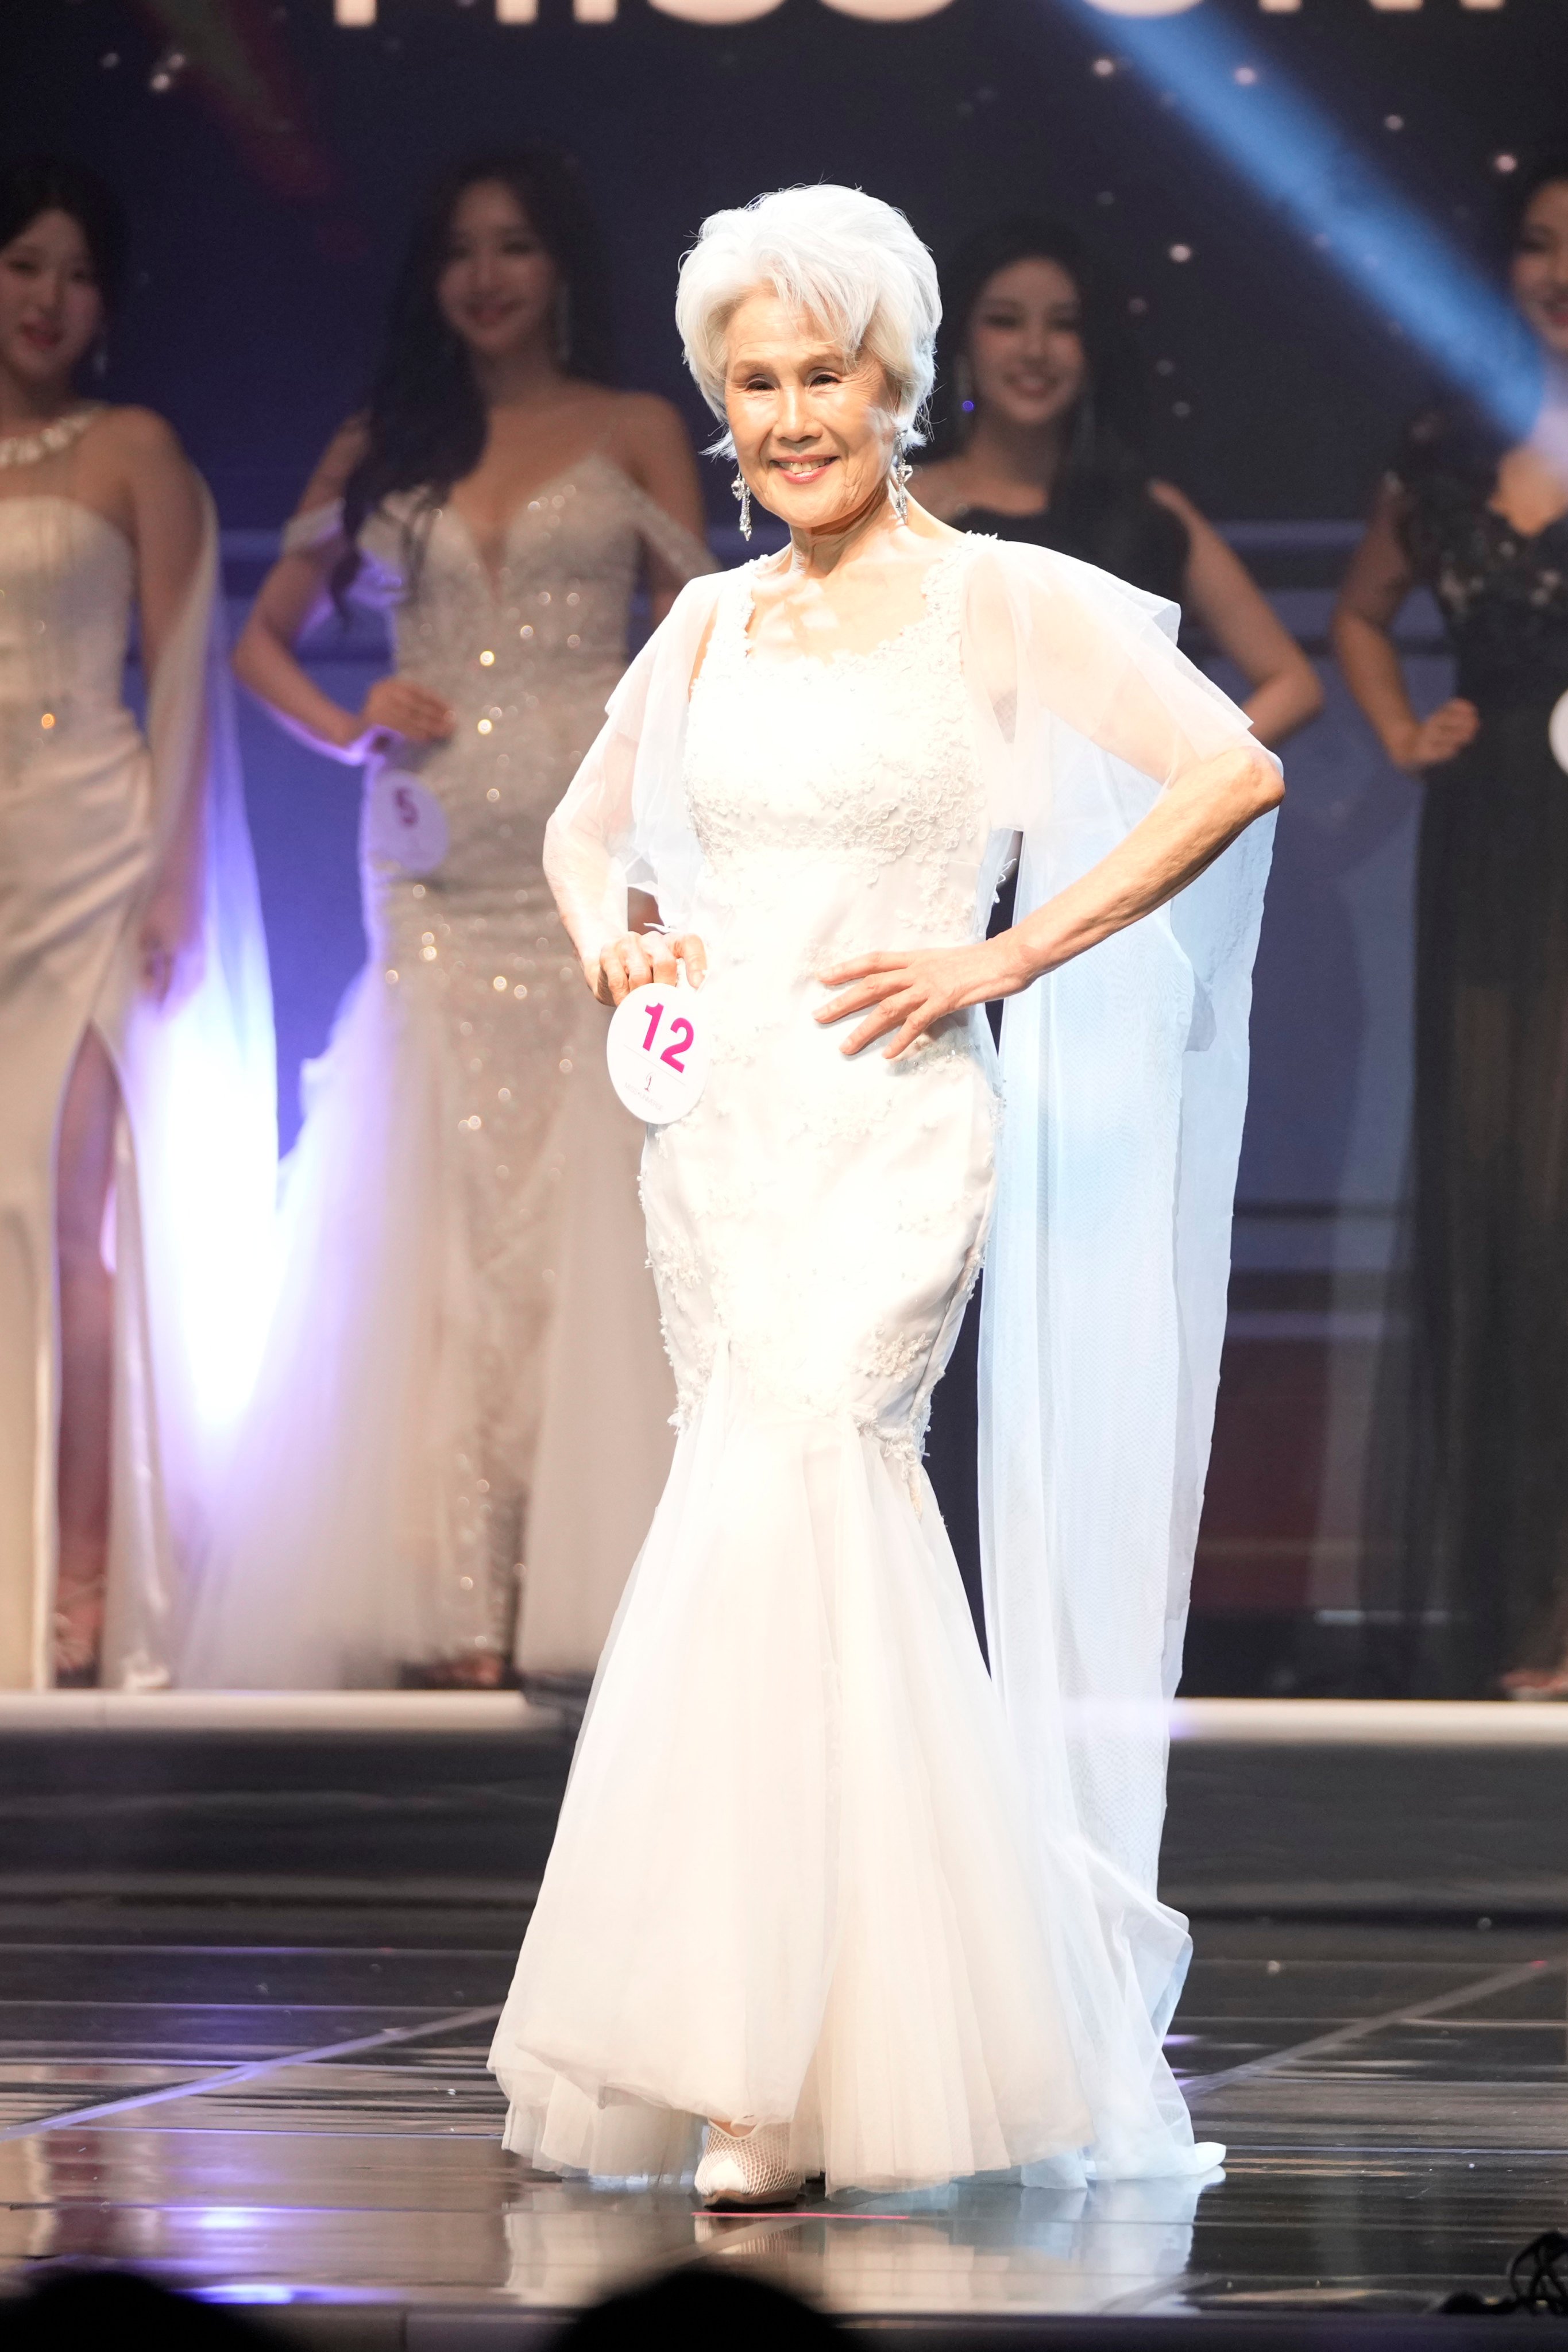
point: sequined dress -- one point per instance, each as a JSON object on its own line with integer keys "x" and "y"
{"x": 462, "y": 1420}
{"x": 1480, "y": 1393}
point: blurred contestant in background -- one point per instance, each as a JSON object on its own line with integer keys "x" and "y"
{"x": 1039, "y": 411}
{"x": 136, "y": 1061}
{"x": 465, "y": 1373}
{"x": 1482, "y": 519}
{"x": 1039, "y": 405}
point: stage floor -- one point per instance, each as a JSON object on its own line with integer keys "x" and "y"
{"x": 288, "y": 2107}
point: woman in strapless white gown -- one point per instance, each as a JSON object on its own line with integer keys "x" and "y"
{"x": 818, "y": 1880}
{"x": 137, "y": 1145}
{"x": 464, "y": 1402}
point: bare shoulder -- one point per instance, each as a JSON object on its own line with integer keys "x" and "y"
{"x": 643, "y": 421}
{"x": 137, "y": 437}
{"x": 939, "y": 487}
{"x": 337, "y": 461}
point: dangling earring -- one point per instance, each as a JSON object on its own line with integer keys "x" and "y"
{"x": 741, "y": 490}
{"x": 100, "y": 354}
{"x": 898, "y": 480}
{"x": 563, "y": 325}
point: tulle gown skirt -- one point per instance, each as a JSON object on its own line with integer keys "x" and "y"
{"x": 792, "y": 1881}
{"x": 464, "y": 1312}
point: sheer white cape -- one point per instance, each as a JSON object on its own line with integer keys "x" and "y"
{"x": 1125, "y": 1083}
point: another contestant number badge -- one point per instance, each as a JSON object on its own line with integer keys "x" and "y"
{"x": 1557, "y": 732}
{"x": 404, "y": 823}
{"x": 657, "y": 1048}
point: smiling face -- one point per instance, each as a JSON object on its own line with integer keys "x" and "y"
{"x": 814, "y": 429}
{"x": 50, "y": 305}
{"x": 1539, "y": 272}
{"x": 1025, "y": 345}
{"x": 498, "y": 285}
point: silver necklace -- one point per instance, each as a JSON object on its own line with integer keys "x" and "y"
{"x": 28, "y": 448}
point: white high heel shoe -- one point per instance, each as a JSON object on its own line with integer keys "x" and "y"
{"x": 742, "y": 2168}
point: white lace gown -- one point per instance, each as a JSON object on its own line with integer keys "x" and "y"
{"x": 464, "y": 1405}
{"x": 794, "y": 1878}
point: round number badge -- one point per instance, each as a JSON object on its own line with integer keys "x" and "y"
{"x": 657, "y": 1048}
{"x": 404, "y": 823}
{"x": 1557, "y": 730}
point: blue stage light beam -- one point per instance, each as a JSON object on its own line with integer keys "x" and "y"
{"x": 1282, "y": 144}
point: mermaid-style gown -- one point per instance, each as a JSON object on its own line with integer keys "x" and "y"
{"x": 791, "y": 1880}
{"x": 464, "y": 1402}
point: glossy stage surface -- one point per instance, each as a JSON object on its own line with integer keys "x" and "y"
{"x": 251, "y": 1952}
{"x": 289, "y": 2109}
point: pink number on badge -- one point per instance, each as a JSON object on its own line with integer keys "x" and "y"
{"x": 405, "y": 808}
{"x": 655, "y": 1015}
{"x": 679, "y": 1045}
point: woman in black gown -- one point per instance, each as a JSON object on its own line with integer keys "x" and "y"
{"x": 1481, "y": 517}
{"x": 1038, "y": 412}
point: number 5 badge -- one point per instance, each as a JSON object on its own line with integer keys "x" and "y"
{"x": 658, "y": 1049}
{"x": 404, "y": 823}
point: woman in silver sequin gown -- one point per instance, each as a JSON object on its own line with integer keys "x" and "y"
{"x": 464, "y": 1400}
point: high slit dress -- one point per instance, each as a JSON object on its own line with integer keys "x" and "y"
{"x": 87, "y": 800}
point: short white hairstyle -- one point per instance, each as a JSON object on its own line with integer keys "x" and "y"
{"x": 835, "y": 255}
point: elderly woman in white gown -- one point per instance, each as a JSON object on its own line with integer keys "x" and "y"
{"x": 820, "y": 1884}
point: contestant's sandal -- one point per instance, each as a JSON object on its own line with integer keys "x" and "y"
{"x": 742, "y": 2170}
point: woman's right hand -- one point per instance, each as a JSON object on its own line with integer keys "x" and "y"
{"x": 638, "y": 958}
{"x": 1428, "y": 742}
{"x": 397, "y": 710}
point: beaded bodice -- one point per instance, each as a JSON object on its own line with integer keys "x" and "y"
{"x": 527, "y": 656}
{"x": 1503, "y": 593}
{"x": 65, "y": 583}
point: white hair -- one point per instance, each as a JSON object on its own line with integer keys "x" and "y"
{"x": 835, "y": 255}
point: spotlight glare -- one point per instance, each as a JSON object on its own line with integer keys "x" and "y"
{"x": 354, "y": 12}
{"x": 1288, "y": 152}
{"x": 517, "y": 12}
{"x": 1505, "y": 162}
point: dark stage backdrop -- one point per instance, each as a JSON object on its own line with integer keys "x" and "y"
{"x": 270, "y": 176}
{"x": 269, "y": 160}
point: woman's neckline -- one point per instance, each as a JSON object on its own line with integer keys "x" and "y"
{"x": 1527, "y": 537}
{"x": 535, "y": 498}
{"x": 746, "y": 607}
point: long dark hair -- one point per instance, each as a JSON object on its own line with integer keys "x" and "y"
{"x": 53, "y": 183}
{"x": 425, "y": 421}
{"x": 1453, "y": 448}
{"x": 1096, "y": 499}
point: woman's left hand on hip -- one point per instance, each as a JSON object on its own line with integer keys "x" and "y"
{"x": 909, "y": 991}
